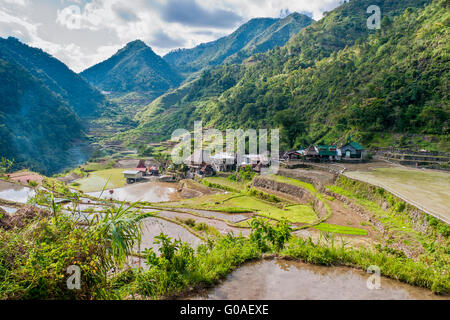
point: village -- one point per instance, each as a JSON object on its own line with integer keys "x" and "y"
{"x": 321, "y": 192}
{"x": 203, "y": 164}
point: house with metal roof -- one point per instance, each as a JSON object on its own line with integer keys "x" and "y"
{"x": 352, "y": 150}
{"x": 327, "y": 152}
{"x": 132, "y": 176}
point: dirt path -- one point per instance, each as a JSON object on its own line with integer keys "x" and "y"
{"x": 343, "y": 215}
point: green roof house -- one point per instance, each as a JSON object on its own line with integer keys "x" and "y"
{"x": 326, "y": 151}
{"x": 352, "y": 150}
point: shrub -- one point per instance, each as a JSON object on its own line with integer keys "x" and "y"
{"x": 190, "y": 222}
{"x": 33, "y": 184}
{"x": 265, "y": 235}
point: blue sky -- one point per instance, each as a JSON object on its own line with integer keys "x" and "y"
{"x": 82, "y": 33}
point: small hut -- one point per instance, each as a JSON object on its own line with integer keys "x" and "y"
{"x": 132, "y": 176}
{"x": 352, "y": 150}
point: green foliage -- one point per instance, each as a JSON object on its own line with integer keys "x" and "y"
{"x": 257, "y": 35}
{"x": 34, "y": 261}
{"x": 245, "y": 174}
{"x": 33, "y": 184}
{"x": 6, "y": 165}
{"x": 391, "y": 263}
{"x": 333, "y": 78}
{"x": 263, "y": 195}
{"x": 120, "y": 227}
{"x": 292, "y": 125}
{"x": 179, "y": 267}
{"x": 145, "y": 151}
{"x": 175, "y": 256}
{"x": 265, "y": 234}
{"x": 325, "y": 227}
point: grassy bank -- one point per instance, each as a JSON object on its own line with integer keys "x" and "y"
{"x": 403, "y": 224}
{"x": 209, "y": 265}
{"x": 398, "y": 268}
{"x": 34, "y": 259}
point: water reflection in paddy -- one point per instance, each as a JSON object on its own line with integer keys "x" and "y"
{"x": 149, "y": 192}
{"x": 15, "y": 193}
{"x": 235, "y": 218}
{"x": 9, "y": 210}
{"x": 286, "y": 280}
{"x": 221, "y": 226}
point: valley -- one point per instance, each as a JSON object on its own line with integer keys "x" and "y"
{"x": 336, "y": 214}
{"x": 88, "y": 176}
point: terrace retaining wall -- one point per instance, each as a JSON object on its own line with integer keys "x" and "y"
{"x": 296, "y": 192}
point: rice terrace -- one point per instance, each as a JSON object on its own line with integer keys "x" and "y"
{"x": 314, "y": 163}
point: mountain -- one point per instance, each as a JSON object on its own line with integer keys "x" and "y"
{"x": 38, "y": 129}
{"x": 332, "y": 79}
{"x": 54, "y": 74}
{"x": 257, "y": 35}
{"x": 134, "y": 68}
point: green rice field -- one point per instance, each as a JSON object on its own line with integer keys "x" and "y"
{"x": 112, "y": 178}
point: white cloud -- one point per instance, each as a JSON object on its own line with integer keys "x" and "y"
{"x": 84, "y": 32}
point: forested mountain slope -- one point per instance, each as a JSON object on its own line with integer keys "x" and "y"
{"x": 334, "y": 78}
{"x": 257, "y": 35}
{"x": 37, "y": 128}
{"x": 55, "y": 75}
{"x": 134, "y": 68}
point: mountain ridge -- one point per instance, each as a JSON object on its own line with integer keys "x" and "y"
{"x": 240, "y": 44}
{"x": 84, "y": 99}
{"x": 228, "y": 96}
{"x": 38, "y": 129}
{"x": 134, "y": 68}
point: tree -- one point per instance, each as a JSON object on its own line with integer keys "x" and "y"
{"x": 6, "y": 165}
{"x": 145, "y": 151}
{"x": 292, "y": 125}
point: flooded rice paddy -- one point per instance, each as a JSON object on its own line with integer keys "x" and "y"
{"x": 235, "y": 218}
{"x": 153, "y": 227}
{"x": 148, "y": 192}
{"x": 221, "y": 226}
{"x": 9, "y": 210}
{"x": 15, "y": 193}
{"x": 289, "y": 280}
{"x": 426, "y": 189}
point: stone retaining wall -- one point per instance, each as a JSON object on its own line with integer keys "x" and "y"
{"x": 296, "y": 192}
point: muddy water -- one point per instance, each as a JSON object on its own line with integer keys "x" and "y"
{"x": 149, "y": 192}
{"x": 221, "y": 226}
{"x": 286, "y": 280}
{"x": 235, "y": 218}
{"x": 9, "y": 210}
{"x": 15, "y": 193}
